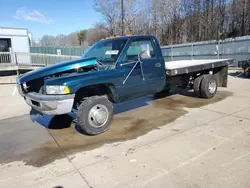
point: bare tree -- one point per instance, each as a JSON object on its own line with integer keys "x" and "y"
{"x": 110, "y": 12}
{"x": 171, "y": 21}
{"x": 73, "y": 39}
{"x": 95, "y": 34}
{"x": 47, "y": 40}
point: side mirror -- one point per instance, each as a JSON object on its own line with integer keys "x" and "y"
{"x": 143, "y": 54}
{"x": 140, "y": 55}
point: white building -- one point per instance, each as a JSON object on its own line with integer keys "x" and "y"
{"x": 14, "y": 46}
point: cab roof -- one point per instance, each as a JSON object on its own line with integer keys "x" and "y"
{"x": 128, "y": 37}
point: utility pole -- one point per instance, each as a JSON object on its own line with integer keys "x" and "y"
{"x": 122, "y": 17}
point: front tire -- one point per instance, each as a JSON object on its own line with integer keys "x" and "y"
{"x": 95, "y": 115}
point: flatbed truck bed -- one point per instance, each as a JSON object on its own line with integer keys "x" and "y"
{"x": 174, "y": 68}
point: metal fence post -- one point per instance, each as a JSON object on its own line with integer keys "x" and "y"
{"x": 171, "y": 53}
{"x": 222, "y": 50}
{"x": 218, "y": 53}
{"x": 192, "y": 54}
{"x": 45, "y": 60}
{"x": 17, "y": 70}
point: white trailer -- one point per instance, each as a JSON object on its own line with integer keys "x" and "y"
{"x": 14, "y": 46}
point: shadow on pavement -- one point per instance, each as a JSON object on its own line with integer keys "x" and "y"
{"x": 138, "y": 102}
{"x": 239, "y": 74}
{"x": 157, "y": 111}
{"x": 65, "y": 120}
{"x": 61, "y": 122}
{"x": 51, "y": 121}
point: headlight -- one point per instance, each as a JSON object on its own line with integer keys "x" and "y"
{"x": 57, "y": 90}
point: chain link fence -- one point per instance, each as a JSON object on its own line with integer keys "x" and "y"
{"x": 59, "y": 50}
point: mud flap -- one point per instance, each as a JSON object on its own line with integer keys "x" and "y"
{"x": 222, "y": 77}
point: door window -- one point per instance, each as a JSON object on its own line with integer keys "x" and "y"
{"x": 4, "y": 45}
{"x": 139, "y": 46}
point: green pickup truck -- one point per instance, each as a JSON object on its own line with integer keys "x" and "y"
{"x": 111, "y": 71}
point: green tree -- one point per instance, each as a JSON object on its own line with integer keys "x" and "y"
{"x": 81, "y": 36}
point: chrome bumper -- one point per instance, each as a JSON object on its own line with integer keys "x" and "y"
{"x": 49, "y": 104}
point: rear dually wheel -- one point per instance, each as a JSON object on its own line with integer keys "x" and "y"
{"x": 197, "y": 84}
{"x": 208, "y": 86}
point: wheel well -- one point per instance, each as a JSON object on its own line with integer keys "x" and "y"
{"x": 221, "y": 74}
{"x": 94, "y": 90}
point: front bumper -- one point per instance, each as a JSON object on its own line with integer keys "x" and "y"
{"x": 49, "y": 104}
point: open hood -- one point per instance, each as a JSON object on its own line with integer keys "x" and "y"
{"x": 56, "y": 68}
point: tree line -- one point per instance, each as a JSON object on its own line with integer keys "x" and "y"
{"x": 81, "y": 38}
{"x": 171, "y": 21}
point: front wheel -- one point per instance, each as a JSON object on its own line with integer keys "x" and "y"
{"x": 95, "y": 115}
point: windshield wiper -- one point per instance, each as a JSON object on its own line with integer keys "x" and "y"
{"x": 104, "y": 59}
{"x": 98, "y": 60}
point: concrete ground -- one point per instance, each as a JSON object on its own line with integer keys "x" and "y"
{"x": 155, "y": 141}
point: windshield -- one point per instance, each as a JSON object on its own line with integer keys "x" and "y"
{"x": 106, "y": 51}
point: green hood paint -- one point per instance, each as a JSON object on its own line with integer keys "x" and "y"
{"x": 56, "y": 68}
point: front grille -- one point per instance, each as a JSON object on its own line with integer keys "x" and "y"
{"x": 33, "y": 86}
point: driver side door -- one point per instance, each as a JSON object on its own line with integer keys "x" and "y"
{"x": 137, "y": 80}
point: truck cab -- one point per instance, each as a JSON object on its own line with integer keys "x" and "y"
{"x": 141, "y": 68}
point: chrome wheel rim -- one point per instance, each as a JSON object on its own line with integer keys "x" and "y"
{"x": 98, "y": 115}
{"x": 212, "y": 86}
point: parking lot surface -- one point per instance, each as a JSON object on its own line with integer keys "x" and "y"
{"x": 166, "y": 140}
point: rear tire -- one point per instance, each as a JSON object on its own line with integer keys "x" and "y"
{"x": 247, "y": 71}
{"x": 248, "y": 74}
{"x": 197, "y": 84}
{"x": 208, "y": 86}
{"x": 95, "y": 115}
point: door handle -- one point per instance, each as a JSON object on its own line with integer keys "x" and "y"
{"x": 157, "y": 65}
